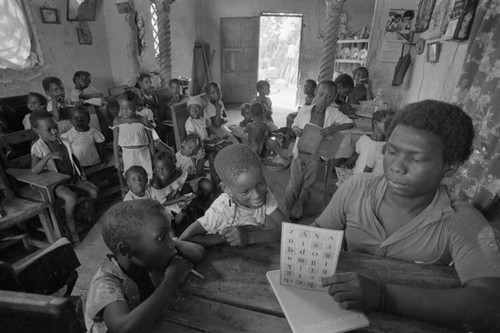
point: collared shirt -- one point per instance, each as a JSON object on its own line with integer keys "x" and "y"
{"x": 111, "y": 284}
{"x": 40, "y": 149}
{"x": 224, "y": 212}
{"x": 332, "y": 116}
{"x": 446, "y": 230}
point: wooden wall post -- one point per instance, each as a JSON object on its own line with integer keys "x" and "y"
{"x": 333, "y": 10}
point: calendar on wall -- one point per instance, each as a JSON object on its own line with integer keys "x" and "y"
{"x": 308, "y": 254}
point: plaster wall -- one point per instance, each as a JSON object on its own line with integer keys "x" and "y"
{"x": 184, "y": 30}
{"x": 359, "y": 14}
{"x": 423, "y": 80}
{"x": 62, "y": 53}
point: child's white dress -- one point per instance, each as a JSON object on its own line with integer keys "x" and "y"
{"x": 135, "y": 134}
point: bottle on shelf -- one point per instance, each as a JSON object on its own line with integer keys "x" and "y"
{"x": 379, "y": 102}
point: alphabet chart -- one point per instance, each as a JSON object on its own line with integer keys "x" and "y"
{"x": 308, "y": 254}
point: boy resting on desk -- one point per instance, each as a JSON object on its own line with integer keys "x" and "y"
{"x": 239, "y": 215}
{"x": 139, "y": 278}
{"x": 406, "y": 214}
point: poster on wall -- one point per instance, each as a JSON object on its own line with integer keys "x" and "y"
{"x": 424, "y": 15}
{"x": 457, "y": 9}
{"x": 81, "y": 10}
{"x": 439, "y": 20}
{"x": 400, "y": 24}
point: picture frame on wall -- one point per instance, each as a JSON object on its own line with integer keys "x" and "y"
{"x": 424, "y": 14}
{"x": 433, "y": 50}
{"x": 79, "y": 10}
{"x": 49, "y": 15}
{"x": 84, "y": 36}
{"x": 464, "y": 24}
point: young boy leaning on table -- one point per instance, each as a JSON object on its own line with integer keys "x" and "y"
{"x": 246, "y": 212}
{"x": 135, "y": 283}
{"x": 406, "y": 214}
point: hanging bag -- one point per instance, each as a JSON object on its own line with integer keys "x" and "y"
{"x": 401, "y": 67}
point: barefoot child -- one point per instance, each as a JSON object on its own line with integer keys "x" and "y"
{"x": 87, "y": 143}
{"x": 407, "y": 214}
{"x": 132, "y": 133}
{"x": 246, "y": 213}
{"x": 53, "y": 153}
{"x": 138, "y": 279}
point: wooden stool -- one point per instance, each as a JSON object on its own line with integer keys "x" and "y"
{"x": 19, "y": 210}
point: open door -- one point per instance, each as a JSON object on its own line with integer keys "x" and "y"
{"x": 240, "y": 56}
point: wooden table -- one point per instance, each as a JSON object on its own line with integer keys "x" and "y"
{"x": 236, "y": 296}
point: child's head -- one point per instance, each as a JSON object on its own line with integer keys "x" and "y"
{"x": 137, "y": 179}
{"x": 164, "y": 164}
{"x": 145, "y": 83}
{"x": 245, "y": 111}
{"x": 380, "y": 121}
{"x": 325, "y": 94}
{"x": 213, "y": 91}
{"x": 360, "y": 75}
{"x": 54, "y": 88}
{"x": 129, "y": 103}
{"x": 257, "y": 111}
{"x": 240, "y": 172}
{"x": 263, "y": 87}
{"x": 138, "y": 231}
{"x": 427, "y": 141}
{"x": 35, "y": 101}
{"x": 175, "y": 86}
{"x": 345, "y": 84}
{"x": 44, "y": 124}
{"x": 80, "y": 118}
{"x": 190, "y": 144}
{"x": 310, "y": 87}
{"x": 195, "y": 105}
{"x": 82, "y": 80}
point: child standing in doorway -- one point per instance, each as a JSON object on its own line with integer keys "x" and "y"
{"x": 263, "y": 90}
{"x": 132, "y": 133}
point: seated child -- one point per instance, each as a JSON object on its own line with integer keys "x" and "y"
{"x": 56, "y": 105}
{"x": 362, "y": 91}
{"x": 309, "y": 90}
{"x": 406, "y": 214}
{"x": 34, "y": 102}
{"x": 174, "y": 85}
{"x": 191, "y": 157}
{"x": 258, "y": 132}
{"x": 305, "y": 166}
{"x": 370, "y": 150}
{"x": 137, "y": 183}
{"x": 216, "y": 113}
{"x": 132, "y": 133}
{"x": 145, "y": 84}
{"x": 53, "y": 153}
{"x": 87, "y": 143}
{"x": 345, "y": 85}
{"x": 196, "y": 122}
{"x": 263, "y": 90}
{"x": 136, "y": 282}
{"x": 82, "y": 80}
{"x": 247, "y": 212}
{"x": 239, "y": 131}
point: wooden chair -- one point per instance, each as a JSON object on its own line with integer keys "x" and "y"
{"x": 180, "y": 114}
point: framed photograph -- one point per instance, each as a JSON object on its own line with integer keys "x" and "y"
{"x": 84, "y": 36}
{"x": 433, "y": 50}
{"x": 49, "y": 15}
{"x": 81, "y": 10}
{"x": 424, "y": 14}
{"x": 465, "y": 20}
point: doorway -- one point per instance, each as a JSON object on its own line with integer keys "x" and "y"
{"x": 279, "y": 58}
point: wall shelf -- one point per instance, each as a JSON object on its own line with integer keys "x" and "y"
{"x": 352, "y": 41}
{"x": 344, "y": 62}
{"x": 350, "y": 61}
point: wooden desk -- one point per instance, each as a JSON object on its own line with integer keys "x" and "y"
{"x": 236, "y": 296}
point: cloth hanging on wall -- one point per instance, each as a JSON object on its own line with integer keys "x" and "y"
{"x": 15, "y": 43}
{"x": 478, "y": 180}
{"x": 401, "y": 67}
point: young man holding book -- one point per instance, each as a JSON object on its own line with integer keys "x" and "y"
{"x": 305, "y": 165}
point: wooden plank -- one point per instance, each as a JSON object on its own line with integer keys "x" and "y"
{"x": 210, "y": 316}
{"x": 44, "y": 179}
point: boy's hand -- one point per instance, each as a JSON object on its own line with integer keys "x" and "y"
{"x": 354, "y": 291}
{"x": 236, "y": 236}
{"x": 55, "y": 155}
{"x": 178, "y": 269}
{"x": 327, "y": 131}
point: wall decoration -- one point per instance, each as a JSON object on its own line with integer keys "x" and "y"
{"x": 49, "y": 15}
{"x": 456, "y": 10}
{"x": 400, "y": 24}
{"x": 433, "y": 50}
{"x": 439, "y": 20}
{"x": 424, "y": 14}
{"x": 465, "y": 21}
{"x": 141, "y": 41}
{"x": 420, "y": 46}
{"x": 81, "y": 10}
{"x": 84, "y": 36}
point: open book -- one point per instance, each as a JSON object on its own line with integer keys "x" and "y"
{"x": 312, "y": 142}
{"x": 307, "y": 255}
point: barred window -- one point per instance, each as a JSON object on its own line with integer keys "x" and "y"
{"x": 154, "y": 23}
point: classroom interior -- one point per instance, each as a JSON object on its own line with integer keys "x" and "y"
{"x": 223, "y": 41}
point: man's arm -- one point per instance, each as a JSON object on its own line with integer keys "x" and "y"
{"x": 335, "y": 128}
